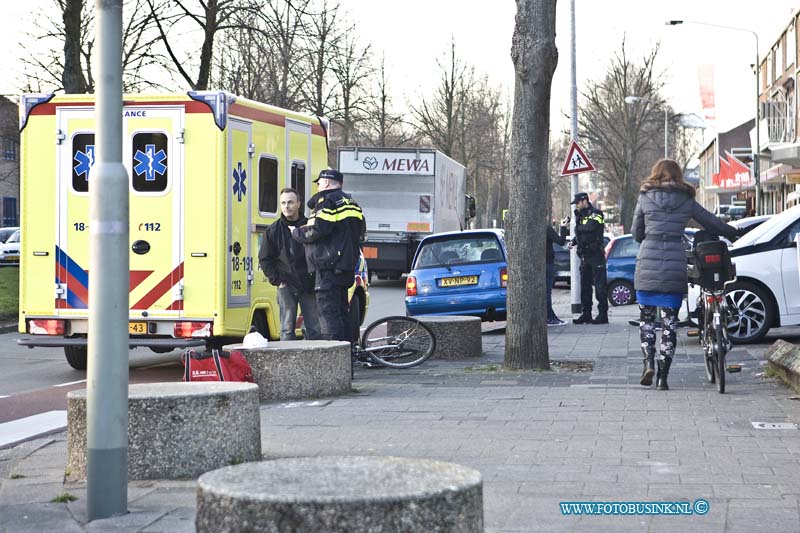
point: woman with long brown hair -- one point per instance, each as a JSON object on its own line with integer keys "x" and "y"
{"x": 666, "y": 203}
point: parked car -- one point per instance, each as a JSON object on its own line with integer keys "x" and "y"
{"x": 561, "y": 260}
{"x": 766, "y": 292}
{"x": 747, "y": 224}
{"x": 5, "y": 233}
{"x": 621, "y": 255}
{"x": 9, "y": 250}
{"x": 459, "y": 273}
{"x": 729, "y": 212}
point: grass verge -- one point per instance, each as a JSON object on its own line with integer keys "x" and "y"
{"x": 9, "y": 293}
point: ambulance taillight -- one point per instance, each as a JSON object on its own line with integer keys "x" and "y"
{"x": 47, "y": 327}
{"x": 192, "y": 329}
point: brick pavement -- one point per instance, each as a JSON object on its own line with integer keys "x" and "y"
{"x": 538, "y": 438}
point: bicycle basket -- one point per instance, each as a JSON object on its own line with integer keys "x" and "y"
{"x": 711, "y": 265}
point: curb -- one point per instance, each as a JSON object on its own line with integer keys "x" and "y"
{"x": 784, "y": 358}
{"x": 10, "y": 327}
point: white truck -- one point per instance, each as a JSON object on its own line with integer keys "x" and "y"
{"x": 406, "y": 194}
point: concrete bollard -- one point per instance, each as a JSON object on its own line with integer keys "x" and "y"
{"x": 457, "y": 337}
{"x": 293, "y": 370}
{"x": 341, "y": 494}
{"x": 177, "y": 430}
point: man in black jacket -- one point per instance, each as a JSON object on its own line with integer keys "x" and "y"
{"x": 283, "y": 261}
{"x": 332, "y": 238}
{"x": 589, "y": 229}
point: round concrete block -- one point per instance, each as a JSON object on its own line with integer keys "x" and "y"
{"x": 177, "y": 430}
{"x": 292, "y": 370}
{"x": 457, "y": 337}
{"x": 341, "y": 494}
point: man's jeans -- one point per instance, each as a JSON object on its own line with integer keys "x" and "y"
{"x": 288, "y": 300}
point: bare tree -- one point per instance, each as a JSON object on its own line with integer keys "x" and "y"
{"x": 324, "y": 42}
{"x": 438, "y": 118}
{"x": 381, "y": 126}
{"x": 285, "y": 51}
{"x": 212, "y": 17}
{"x": 559, "y": 186}
{"x": 624, "y": 139}
{"x": 352, "y": 69}
{"x": 72, "y": 77}
{"x": 67, "y": 62}
{"x": 535, "y": 56}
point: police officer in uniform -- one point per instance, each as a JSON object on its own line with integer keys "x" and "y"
{"x": 332, "y": 238}
{"x": 589, "y": 229}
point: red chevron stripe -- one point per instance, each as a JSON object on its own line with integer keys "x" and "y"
{"x": 159, "y": 290}
{"x": 177, "y": 305}
{"x": 138, "y": 276}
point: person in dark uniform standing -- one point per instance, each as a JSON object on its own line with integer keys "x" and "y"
{"x": 332, "y": 238}
{"x": 589, "y": 229}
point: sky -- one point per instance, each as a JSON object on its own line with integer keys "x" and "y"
{"x": 412, "y": 35}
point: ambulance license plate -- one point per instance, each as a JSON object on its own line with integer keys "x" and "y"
{"x": 137, "y": 328}
{"x": 458, "y": 281}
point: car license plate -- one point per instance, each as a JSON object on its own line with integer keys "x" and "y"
{"x": 458, "y": 281}
{"x": 370, "y": 252}
{"x": 137, "y": 328}
{"x": 11, "y": 258}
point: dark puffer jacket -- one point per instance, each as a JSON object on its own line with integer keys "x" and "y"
{"x": 659, "y": 221}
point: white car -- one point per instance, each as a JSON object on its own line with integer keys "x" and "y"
{"x": 9, "y": 250}
{"x": 766, "y": 292}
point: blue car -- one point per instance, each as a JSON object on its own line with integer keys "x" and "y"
{"x": 621, "y": 266}
{"x": 459, "y": 273}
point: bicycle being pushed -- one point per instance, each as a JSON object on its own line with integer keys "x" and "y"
{"x": 396, "y": 342}
{"x": 711, "y": 268}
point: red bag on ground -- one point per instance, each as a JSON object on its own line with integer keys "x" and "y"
{"x": 215, "y": 366}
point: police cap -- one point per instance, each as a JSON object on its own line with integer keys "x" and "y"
{"x": 579, "y": 196}
{"x": 330, "y": 174}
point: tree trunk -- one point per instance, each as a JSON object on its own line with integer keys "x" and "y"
{"x": 535, "y": 57}
{"x": 207, "y": 50}
{"x": 72, "y": 76}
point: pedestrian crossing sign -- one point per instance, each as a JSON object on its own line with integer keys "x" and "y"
{"x": 577, "y": 161}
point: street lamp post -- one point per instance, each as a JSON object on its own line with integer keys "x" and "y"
{"x": 757, "y": 151}
{"x": 634, "y": 99}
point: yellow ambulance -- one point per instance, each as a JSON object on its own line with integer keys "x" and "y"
{"x": 205, "y": 172}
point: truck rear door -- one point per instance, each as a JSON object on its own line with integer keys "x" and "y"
{"x": 152, "y": 156}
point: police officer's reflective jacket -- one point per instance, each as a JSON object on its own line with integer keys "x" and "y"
{"x": 333, "y": 232}
{"x": 589, "y": 229}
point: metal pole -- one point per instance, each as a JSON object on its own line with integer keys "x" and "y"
{"x": 759, "y": 208}
{"x": 574, "y": 286}
{"x": 107, "y": 376}
{"x": 666, "y": 131}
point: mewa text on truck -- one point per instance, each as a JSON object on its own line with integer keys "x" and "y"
{"x": 406, "y": 194}
{"x": 205, "y": 170}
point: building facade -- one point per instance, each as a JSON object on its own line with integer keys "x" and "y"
{"x": 779, "y": 143}
{"x": 9, "y": 163}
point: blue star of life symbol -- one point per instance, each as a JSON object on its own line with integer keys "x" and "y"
{"x": 239, "y": 188}
{"x": 150, "y": 162}
{"x": 85, "y": 161}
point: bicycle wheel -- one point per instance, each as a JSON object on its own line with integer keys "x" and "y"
{"x": 719, "y": 358}
{"x": 707, "y": 342}
{"x": 398, "y": 341}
